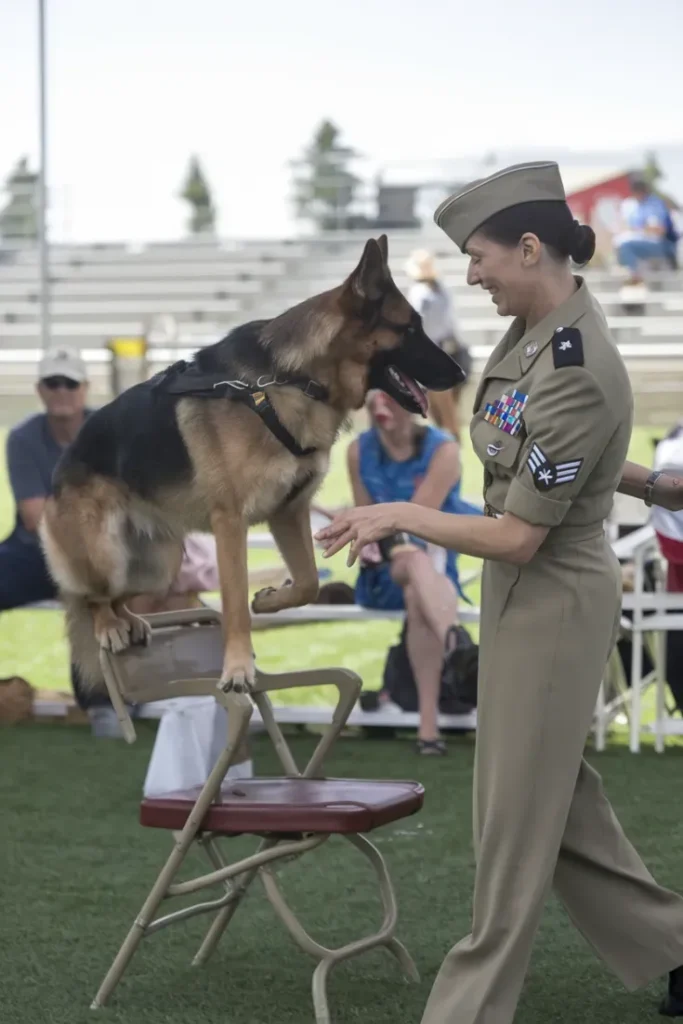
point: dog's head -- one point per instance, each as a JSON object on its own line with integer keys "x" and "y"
{"x": 364, "y": 334}
{"x": 384, "y": 335}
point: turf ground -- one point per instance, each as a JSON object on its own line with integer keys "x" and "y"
{"x": 75, "y": 868}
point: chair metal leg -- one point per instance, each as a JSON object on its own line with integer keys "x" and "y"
{"x": 404, "y": 958}
{"x": 328, "y": 958}
{"x": 224, "y": 917}
{"x": 319, "y": 987}
{"x": 137, "y": 932}
{"x": 183, "y": 842}
{"x": 321, "y": 973}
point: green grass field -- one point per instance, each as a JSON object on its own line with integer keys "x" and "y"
{"x": 32, "y": 643}
{"x": 76, "y": 867}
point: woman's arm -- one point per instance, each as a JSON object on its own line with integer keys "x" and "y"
{"x": 442, "y": 475}
{"x": 508, "y": 539}
{"x": 360, "y": 495}
{"x": 667, "y": 490}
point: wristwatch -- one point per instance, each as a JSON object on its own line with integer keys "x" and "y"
{"x": 387, "y": 544}
{"x": 649, "y": 486}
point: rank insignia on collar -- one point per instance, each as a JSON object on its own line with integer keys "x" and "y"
{"x": 547, "y": 474}
{"x": 506, "y": 412}
{"x": 567, "y": 346}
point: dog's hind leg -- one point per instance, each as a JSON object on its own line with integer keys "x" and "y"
{"x": 230, "y": 531}
{"x": 153, "y": 565}
{"x": 291, "y": 528}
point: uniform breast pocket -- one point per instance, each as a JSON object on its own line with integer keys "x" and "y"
{"x": 493, "y": 446}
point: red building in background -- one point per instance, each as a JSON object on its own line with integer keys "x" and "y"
{"x": 595, "y": 197}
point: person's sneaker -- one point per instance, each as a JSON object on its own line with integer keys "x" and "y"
{"x": 672, "y": 1003}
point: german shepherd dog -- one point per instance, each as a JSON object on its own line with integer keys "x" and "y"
{"x": 193, "y": 449}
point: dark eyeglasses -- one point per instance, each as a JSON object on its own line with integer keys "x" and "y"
{"x": 52, "y": 383}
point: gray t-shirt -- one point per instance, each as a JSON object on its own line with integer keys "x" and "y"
{"x": 435, "y": 308}
{"x": 32, "y": 455}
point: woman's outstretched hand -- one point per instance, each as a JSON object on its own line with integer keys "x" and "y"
{"x": 360, "y": 526}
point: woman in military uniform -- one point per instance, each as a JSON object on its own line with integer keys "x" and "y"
{"x": 552, "y": 423}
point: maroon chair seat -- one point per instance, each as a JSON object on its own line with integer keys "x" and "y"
{"x": 287, "y": 805}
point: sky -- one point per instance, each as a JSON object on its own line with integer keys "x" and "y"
{"x": 136, "y": 86}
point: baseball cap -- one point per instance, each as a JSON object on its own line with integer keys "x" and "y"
{"x": 62, "y": 362}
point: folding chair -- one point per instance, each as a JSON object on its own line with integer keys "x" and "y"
{"x": 291, "y": 815}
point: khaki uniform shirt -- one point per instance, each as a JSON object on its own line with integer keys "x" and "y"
{"x": 553, "y": 418}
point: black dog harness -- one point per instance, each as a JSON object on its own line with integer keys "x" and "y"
{"x": 186, "y": 380}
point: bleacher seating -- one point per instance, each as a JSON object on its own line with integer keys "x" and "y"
{"x": 207, "y": 286}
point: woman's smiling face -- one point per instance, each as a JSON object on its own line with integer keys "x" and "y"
{"x": 504, "y": 271}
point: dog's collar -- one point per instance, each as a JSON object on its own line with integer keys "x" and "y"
{"x": 185, "y": 380}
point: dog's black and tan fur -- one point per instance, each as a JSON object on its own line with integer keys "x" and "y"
{"x": 150, "y": 467}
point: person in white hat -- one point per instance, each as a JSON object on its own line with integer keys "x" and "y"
{"x": 431, "y": 300}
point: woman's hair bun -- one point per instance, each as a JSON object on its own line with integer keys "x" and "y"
{"x": 582, "y": 243}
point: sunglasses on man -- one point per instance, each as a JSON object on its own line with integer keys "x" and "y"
{"x": 52, "y": 383}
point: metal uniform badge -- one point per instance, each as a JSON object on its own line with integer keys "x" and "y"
{"x": 506, "y": 412}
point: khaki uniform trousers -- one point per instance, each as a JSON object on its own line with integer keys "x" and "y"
{"x": 541, "y": 818}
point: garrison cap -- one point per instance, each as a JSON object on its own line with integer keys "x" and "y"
{"x": 461, "y": 214}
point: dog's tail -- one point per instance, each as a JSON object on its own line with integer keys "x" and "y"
{"x": 85, "y": 648}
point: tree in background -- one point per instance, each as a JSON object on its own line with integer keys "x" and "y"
{"x": 19, "y": 217}
{"x": 652, "y": 172}
{"x": 197, "y": 193}
{"x": 324, "y": 186}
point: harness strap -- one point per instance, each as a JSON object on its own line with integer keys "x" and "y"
{"x": 185, "y": 380}
{"x": 258, "y": 401}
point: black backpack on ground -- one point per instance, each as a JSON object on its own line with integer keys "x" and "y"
{"x": 458, "y": 679}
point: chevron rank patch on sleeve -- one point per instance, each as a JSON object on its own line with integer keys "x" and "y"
{"x": 547, "y": 474}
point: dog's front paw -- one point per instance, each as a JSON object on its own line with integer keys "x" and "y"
{"x": 238, "y": 683}
{"x": 140, "y": 630}
{"x": 114, "y": 635}
{"x": 272, "y": 599}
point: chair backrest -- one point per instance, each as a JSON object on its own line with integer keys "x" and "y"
{"x": 184, "y": 658}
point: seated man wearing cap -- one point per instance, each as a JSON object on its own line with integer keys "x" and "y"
{"x": 33, "y": 448}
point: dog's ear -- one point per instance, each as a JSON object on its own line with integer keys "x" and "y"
{"x": 370, "y": 278}
{"x": 383, "y": 244}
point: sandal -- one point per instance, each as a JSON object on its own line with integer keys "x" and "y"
{"x": 432, "y": 747}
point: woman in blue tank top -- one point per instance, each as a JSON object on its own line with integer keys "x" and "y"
{"x": 398, "y": 459}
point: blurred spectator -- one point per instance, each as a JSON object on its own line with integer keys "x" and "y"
{"x": 33, "y": 448}
{"x": 431, "y": 300}
{"x": 398, "y": 459}
{"x": 669, "y": 529}
{"x": 649, "y": 235}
